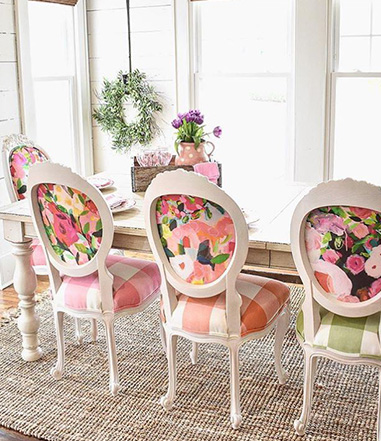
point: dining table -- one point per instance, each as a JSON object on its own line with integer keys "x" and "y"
{"x": 269, "y": 245}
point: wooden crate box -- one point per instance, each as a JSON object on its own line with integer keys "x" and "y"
{"x": 141, "y": 177}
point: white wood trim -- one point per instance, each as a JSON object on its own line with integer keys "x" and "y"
{"x": 182, "y": 16}
{"x": 310, "y": 89}
{"x": 80, "y": 85}
{"x": 26, "y": 90}
{"x": 84, "y": 129}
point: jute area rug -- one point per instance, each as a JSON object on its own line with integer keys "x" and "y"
{"x": 80, "y": 407}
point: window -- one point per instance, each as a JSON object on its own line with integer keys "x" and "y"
{"x": 53, "y": 60}
{"x": 243, "y": 81}
{"x": 356, "y": 90}
{"x": 53, "y": 74}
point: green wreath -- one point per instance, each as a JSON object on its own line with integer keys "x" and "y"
{"x": 134, "y": 88}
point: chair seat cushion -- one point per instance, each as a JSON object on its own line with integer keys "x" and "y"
{"x": 38, "y": 256}
{"x": 262, "y": 301}
{"x": 135, "y": 283}
{"x": 353, "y": 337}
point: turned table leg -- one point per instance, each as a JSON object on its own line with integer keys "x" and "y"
{"x": 25, "y": 283}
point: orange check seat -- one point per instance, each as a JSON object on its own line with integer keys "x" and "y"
{"x": 262, "y": 301}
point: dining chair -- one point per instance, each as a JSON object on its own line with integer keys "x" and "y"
{"x": 336, "y": 245}
{"x": 75, "y": 226}
{"x": 199, "y": 238}
{"x": 19, "y": 153}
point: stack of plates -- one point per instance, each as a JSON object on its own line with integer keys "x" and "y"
{"x": 119, "y": 203}
{"x": 101, "y": 183}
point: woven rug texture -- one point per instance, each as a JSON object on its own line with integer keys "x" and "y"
{"x": 80, "y": 407}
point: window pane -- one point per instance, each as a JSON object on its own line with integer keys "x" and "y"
{"x": 54, "y": 119}
{"x": 354, "y": 54}
{"x": 376, "y": 54}
{"x": 253, "y": 115}
{"x": 355, "y": 17}
{"x": 359, "y": 34}
{"x": 51, "y": 39}
{"x": 376, "y": 24}
{"x": 357, "y": 151}
{"x": 244, "y": 36}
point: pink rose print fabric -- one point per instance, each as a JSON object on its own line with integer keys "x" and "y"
{"x": 197, "y": 235}
{"x": 71, "y": 221}
{"x": 344, "y": 248}
{"x": 20, "y": 160}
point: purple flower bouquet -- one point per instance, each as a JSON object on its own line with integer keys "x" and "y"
{"x": 191, "y": 129}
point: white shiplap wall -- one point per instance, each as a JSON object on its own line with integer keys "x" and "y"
{"x": 153, "y": 52}
{"x": 9, "y": 113}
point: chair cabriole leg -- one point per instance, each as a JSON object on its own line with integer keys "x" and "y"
{"x": 281, "y": 329}
{"x": 309, "y": 373}
{"x": 235, "y": 409}
{"x": 58, "y": 369}
{"x": 167, "y": 400}
{"x": 194, "y": 352}
{"x": 94, "y": 330}
{"x": 78, "y": 331}
{"x": 163, "y": 337}
{"x": 112, "y": 356}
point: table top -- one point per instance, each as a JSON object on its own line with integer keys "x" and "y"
{"x": 274, "y": 207}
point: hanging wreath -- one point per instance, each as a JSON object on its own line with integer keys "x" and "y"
{"x": 131, "y": 88}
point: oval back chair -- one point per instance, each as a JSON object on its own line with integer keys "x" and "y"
{"x": 336, "y": 245}
{"x": 75, "y": 226}
{"x": 199, "y": 238}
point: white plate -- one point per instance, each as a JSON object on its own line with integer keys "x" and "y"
{"x": 125, "y": 206}
{"x": 101, "y": 183}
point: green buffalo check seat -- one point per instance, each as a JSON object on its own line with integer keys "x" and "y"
{"x": 353, "y": 337}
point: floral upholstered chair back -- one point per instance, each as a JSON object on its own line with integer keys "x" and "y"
{"x": 344, "y": 248}
{"x": 19, "y": 154}
{"x": 196, "y": 231}
{"x": 197, "y": 235}
{"x": 72, "y": 222}
{"x": 339, "y": 245}
{"x": 72, "y": 218}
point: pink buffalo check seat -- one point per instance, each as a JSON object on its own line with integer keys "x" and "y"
{"x": 262, "y": 301}
{"x": 135, "y": 282}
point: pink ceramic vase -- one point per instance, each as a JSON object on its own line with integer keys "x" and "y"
{"x": 189, "y": 155}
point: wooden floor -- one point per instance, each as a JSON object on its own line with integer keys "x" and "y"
{"x": 8, "y": 299}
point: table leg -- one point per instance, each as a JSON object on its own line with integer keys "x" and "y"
{"x": 25, "y": 283}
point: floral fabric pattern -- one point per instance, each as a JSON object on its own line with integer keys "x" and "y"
{"x": 20, "y": 160}
{"x": 197, "y": 235}
{"x": 72, "y": 222}
{"x": 344, "y": 248}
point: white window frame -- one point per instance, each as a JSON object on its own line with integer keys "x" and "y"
{"x": 334, "y": 75}
{"x": 307, "y": 157}
{"x": 79, "y": 84}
